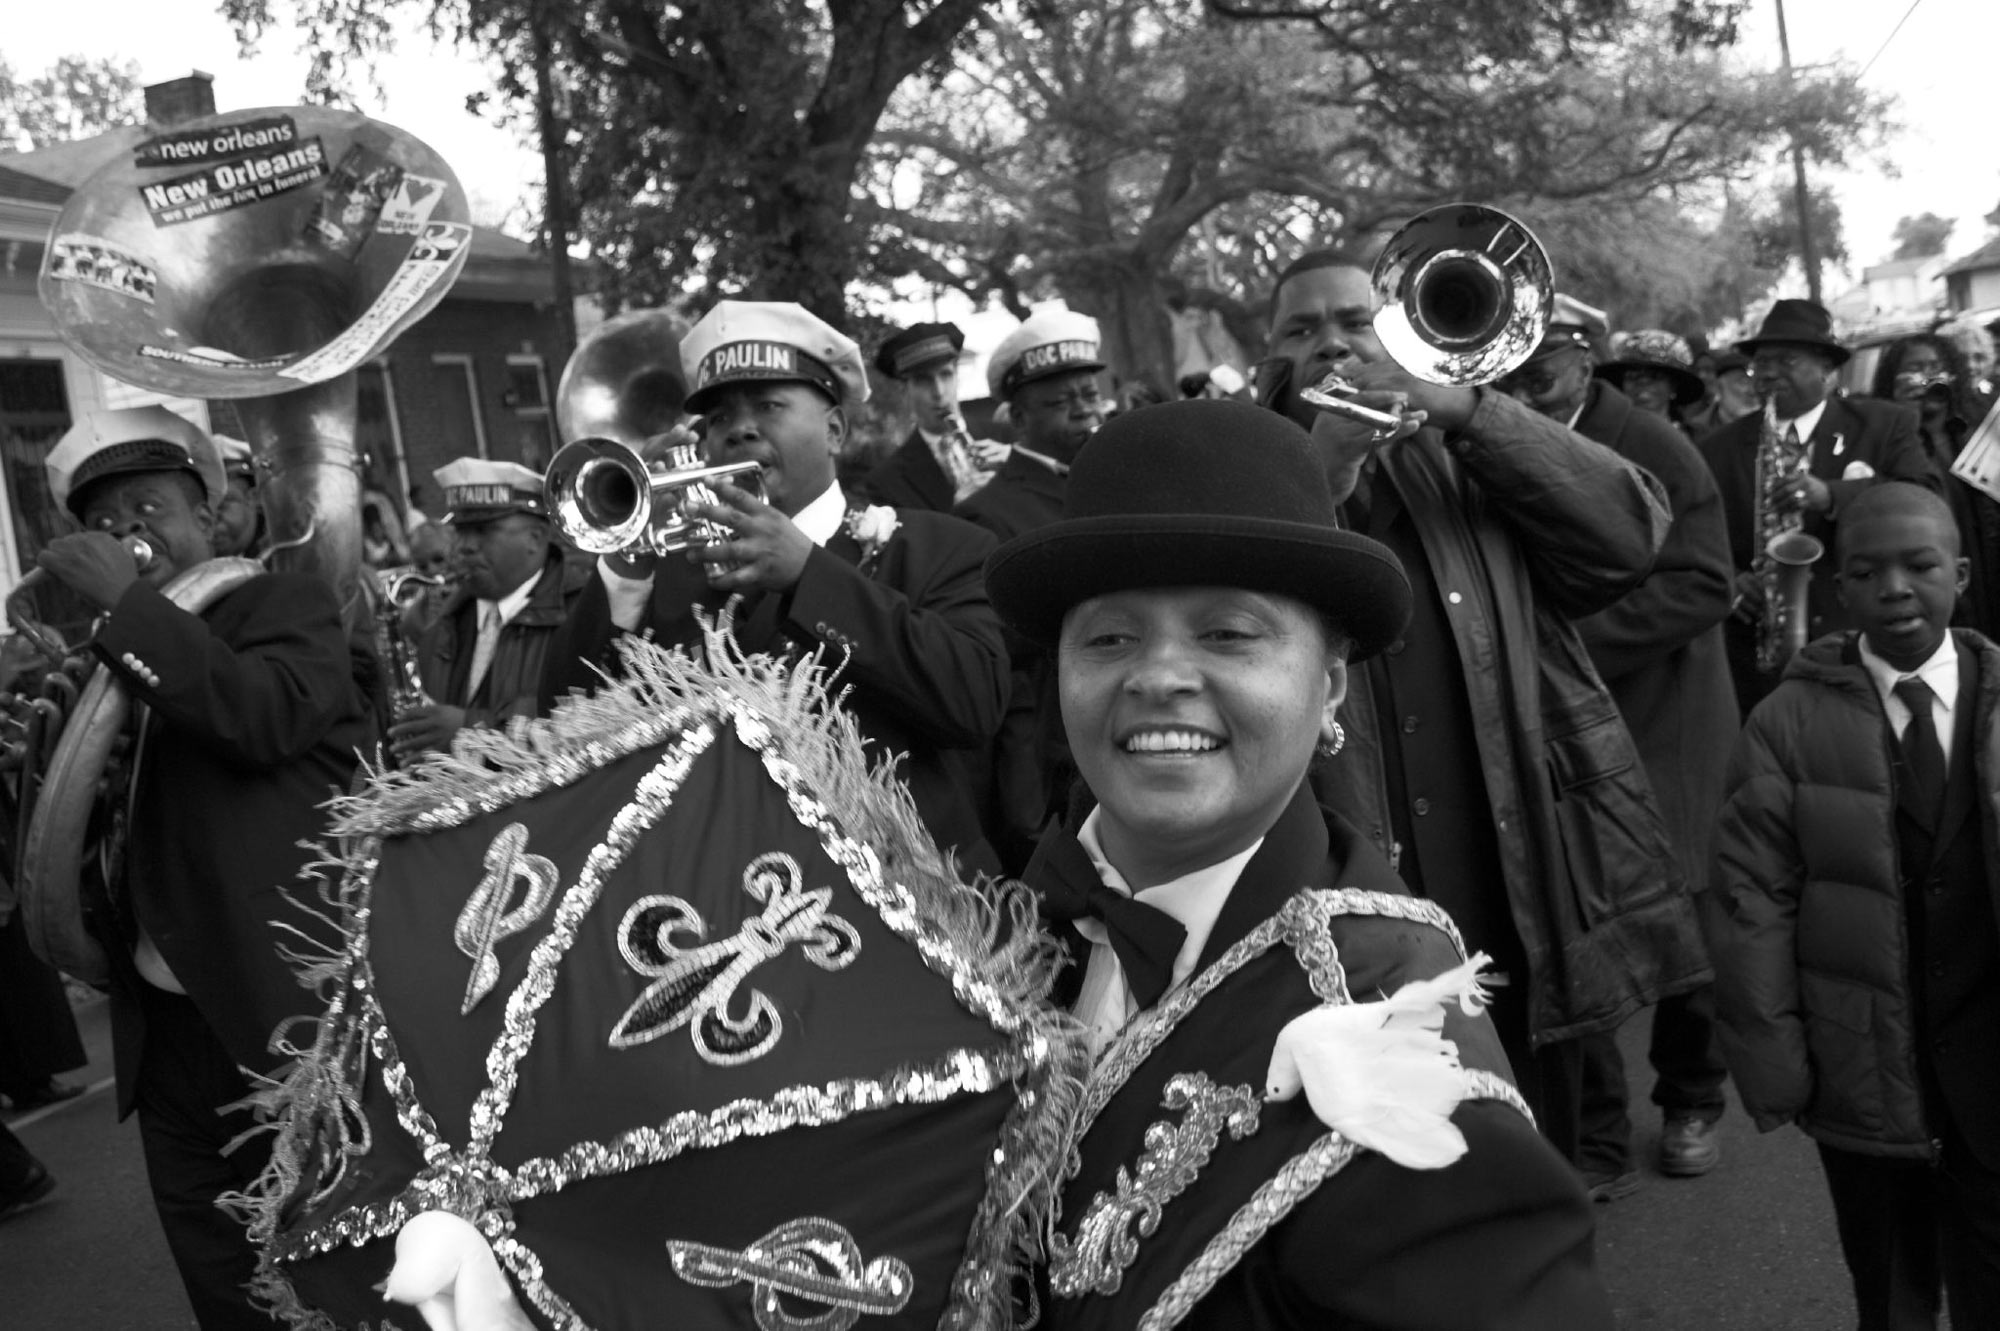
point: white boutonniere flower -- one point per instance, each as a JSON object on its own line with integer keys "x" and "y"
{"x": 873, "y": 528}
{"x": 1382, "y": 1074}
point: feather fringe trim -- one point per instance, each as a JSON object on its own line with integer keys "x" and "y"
{"x": 992, "y": 924}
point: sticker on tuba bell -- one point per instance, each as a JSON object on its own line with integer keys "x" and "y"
{"x": 352, "y": 199}
{"x": 76, "y": 257}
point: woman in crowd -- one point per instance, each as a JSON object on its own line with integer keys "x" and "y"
{"x": 1227, "y": 932}
{"x": 1928, "y": 372}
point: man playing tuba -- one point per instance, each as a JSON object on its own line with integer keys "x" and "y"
{"x": 252, "y": 718}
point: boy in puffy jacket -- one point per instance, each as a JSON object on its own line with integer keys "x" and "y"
{"x": 1852, "y": 917}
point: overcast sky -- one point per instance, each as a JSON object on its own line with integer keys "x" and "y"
{"x": 1941, "y": 65}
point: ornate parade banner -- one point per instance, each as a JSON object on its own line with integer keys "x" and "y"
{"x": 672, "y": 999}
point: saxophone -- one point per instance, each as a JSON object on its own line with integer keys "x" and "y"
{"x": 396, "y": 590}
{"x": 1785, "y": 554}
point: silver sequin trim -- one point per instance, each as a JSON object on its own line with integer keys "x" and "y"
{"x": 490, "y": 913}
{"x": 1107, "y": 1238}
{"x": 812, "y": 1260}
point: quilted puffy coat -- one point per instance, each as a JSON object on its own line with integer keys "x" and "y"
{"x": 1804, "y": 913}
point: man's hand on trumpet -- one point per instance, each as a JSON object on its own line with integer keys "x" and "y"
{"x": 1346, "y": 444}
{"x": 764, "y": 551}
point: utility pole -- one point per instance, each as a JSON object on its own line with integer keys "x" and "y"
{"x": 1808, "y": 250}
{"x": 556, "y": 222}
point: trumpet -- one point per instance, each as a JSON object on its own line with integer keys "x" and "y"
{"x": 1464, "y": 294}
{"x": 606, "y": 499}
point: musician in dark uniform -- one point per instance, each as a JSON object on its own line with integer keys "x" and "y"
{"x": 940, "y": 463}
{"x": 1047, "y": 374}
{"x": 1204, "y": 607}
{"x": 893, "y": 596}
{"x": 482, "y": 660}
{"x": 253, "y": 719}
{"x": 1848, "y": 445}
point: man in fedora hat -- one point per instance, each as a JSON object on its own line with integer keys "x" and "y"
{"x": 482, "y": 659}
{"x": 940, "y": 464}
{"x": 1820, "y": 451}
{"x": 254, "y": 720}
{"x": 1208, "y": 612}
{"x": 1659, "y": 649}
{"x": 894, "y": 596}
{"x": 1487, "y": 757}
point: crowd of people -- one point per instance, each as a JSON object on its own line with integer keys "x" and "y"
{"x": 1519, "y": 676}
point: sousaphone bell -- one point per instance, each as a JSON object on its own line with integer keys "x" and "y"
{"x": 260, "y": 256}
{"x": 1463, "y": 295}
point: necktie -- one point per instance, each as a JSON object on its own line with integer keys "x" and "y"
{"x": 1144, "y": 938}
{"x": 1923, "y": 756}
{"x": 483, "y": 648}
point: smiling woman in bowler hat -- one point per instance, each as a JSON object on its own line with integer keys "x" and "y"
{"x": 1204, "y": 605}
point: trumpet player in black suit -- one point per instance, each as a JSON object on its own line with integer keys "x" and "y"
{"x": 892, "y": 596}
{"x": 254, "y": 718}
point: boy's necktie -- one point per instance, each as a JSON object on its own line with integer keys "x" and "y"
{"x": 1923, "y": 756}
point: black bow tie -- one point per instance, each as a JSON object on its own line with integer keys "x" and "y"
{"x": 1145, "y": 938}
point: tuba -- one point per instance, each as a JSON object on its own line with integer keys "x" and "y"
{"x": 1463, "y": 295}
{"x": 622, "y": 390}
{"x": 257, "y": 256}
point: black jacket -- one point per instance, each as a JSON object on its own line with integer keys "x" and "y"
{"x": 910, "y": 477}
{"x": 255, "y": 720}
{"x": 513, "y": 682}
{"x": 1660, "y": 647}
{"x": 1501, "y": 1238}
{"x": 913, "y": 635}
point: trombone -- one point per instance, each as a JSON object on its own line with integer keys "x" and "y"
{"x": 1463, "y": 295}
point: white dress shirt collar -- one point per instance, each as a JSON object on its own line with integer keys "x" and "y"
{"x": 820, "y": 520}
{"x": 1194, "y": 899}
{"x": 514, "y": 602}
{"x": 1939, "y": 670}
{"x": 1806, "y": 422}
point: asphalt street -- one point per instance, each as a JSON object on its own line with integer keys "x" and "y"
{"x": 1748, "y": 1248}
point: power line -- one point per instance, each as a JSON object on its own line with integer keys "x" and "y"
{"x": 1886, "y": 40}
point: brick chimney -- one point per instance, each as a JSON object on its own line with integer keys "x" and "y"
{"x": 178, "y": 101}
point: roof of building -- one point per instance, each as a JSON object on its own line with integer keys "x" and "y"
{"x": 1894, "y": 268}
{"x": 29, "y": 189}
{"x": 1986, "y": 256}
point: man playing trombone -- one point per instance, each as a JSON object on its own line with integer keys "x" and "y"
{"x": 1484, "y": 754}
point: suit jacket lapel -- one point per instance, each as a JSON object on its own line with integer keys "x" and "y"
{"x": 1293, "y": 856}
{"x": 1961, "y": 787}
{"x": 1836, "y": 429}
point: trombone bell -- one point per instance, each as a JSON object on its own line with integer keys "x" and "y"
{"x": 606, "y": 499}
{"x": 1465, "y": 293}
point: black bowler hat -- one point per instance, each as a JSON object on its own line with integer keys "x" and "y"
{"x": 1200, "y": 493}
{"x": 919, "y": 346}
{"x": 1797, "y": 323}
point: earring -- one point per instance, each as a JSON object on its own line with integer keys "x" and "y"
{"x": 1331, "y": 739}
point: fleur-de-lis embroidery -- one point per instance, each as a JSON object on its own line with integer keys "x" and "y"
{"x": 811, "y": 1260}
{"x": 696, "y": 987}
{"x": 1107, "y": 1239}
{"x": 486, "y": 919}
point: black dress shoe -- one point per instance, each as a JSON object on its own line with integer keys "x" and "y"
{"x": 38, "y": 1183}
{"x": 50, "y": 1092}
